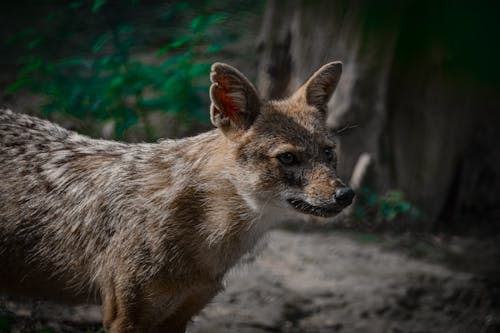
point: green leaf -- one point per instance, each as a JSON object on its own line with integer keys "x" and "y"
{"x": 125, "y": 29}
{"x": 387, "y": 211}
{"x": 372, "y": 200}
{"x": 404, "y": 207}
{"x": 117, "y": 81}
{"x": 20, "y": 83}
{"x": 100, "y": 42}
{"x": 128, "y": 118}
{"x": 216, "y": 18}
{"x": 359, "y": 212}
{"x": 153, "y": 103}
{"x": 213, "y": 48}
{"x": 198, "y": 70}
{"x": 31, "y": 67}
{"x": 184, "y": 5}
{"x": 104, "y": 61}
{"x": 171, "y": 85}
{"x": 75, "y": 4}
{"x": 97, "y": 5}
{"x": 180, "y": 42}
{"x": 196, "y": 22}
{"x": 70, "y": 62}
{"x": 395, "y": 196}
{"x": 50, "y": 67}
{"x": 46, "y": 330}
{"x": 34, "y": 43}
{"x": 4, "y": 324}
{"x": 176, "y": 44}
{"x": 175, "y": 60}
{"x": 50, "y": 17}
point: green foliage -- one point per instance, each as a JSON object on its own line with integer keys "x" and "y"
{"x": 103, "y": 80}
{"x": 384, "y": 208}
{"x": 5, "y": 324}
{"x": 45, "y": 330}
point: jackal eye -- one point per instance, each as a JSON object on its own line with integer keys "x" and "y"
{"x": 329, "y": 154}
{"x": 287, "y": 158}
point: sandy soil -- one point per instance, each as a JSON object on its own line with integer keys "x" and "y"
{"x": 327, "y": 282}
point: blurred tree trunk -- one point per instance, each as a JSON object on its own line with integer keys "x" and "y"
{"x": 421, "y": 125}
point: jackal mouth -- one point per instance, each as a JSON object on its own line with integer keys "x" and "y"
{"x": 323, "y": 211}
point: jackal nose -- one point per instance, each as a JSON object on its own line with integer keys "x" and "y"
{"x": 344, "y": 196}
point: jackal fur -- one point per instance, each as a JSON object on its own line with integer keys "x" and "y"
{"x": 151, "y": 229}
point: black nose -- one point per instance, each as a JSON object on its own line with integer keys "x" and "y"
{"x": 344, "y": 196}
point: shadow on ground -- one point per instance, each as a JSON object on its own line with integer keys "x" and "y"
{"x": 330, "y": 282}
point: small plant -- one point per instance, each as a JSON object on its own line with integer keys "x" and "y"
{"x": 384, "y": 208}
{"x": 105, "y": 82}
{"x": 45, "y": 330}
{"x": 5, "y": 323}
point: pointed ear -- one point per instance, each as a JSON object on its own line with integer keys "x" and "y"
{"x": 235, "y": 102}
{"x": 321, "y": 85}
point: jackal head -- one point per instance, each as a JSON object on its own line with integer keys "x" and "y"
{"x": 284, "y": 151}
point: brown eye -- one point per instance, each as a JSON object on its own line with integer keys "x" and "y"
{"x": 329, "y": 154}
{"x": 287, "y": 158}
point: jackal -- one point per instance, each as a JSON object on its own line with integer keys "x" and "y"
{"x": 149, "y": 230}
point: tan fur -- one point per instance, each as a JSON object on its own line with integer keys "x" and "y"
{"x": 150, "y": 229}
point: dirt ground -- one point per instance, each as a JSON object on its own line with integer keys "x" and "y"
{"x": 329, "y": 282}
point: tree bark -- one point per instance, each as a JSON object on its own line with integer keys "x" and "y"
{"x": 419, "y": 125}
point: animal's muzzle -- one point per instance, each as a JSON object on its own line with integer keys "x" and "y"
{"x": 343, "y": 196}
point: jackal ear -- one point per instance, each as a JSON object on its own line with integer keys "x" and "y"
{"x": 321, "y": 85}
{"x": 235, "y": 102}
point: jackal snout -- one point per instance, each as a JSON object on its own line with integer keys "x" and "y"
{"x": 343, "y": 196}
{"x": 323, "y": 198}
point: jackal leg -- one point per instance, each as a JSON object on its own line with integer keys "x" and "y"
{"x": 192, "y": 305}
{"x": 117, "y": 312}
{"x": 124, "y": 309}
{"x": 160, "y": 306}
